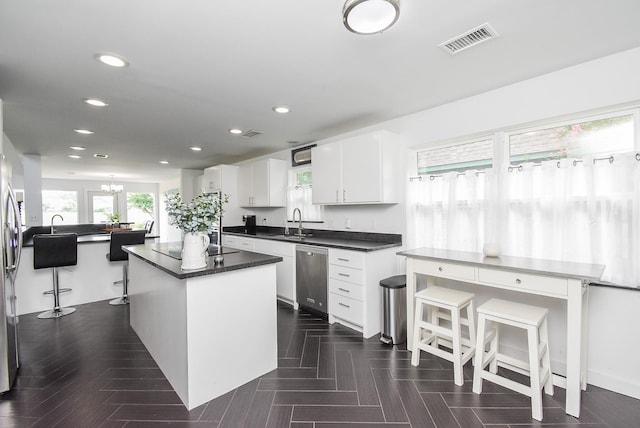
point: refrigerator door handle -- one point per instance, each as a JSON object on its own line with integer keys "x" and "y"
{"x": 15, "y": 241}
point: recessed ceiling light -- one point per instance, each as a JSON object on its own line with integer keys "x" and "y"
{"x": 112, "y": 60}
{"x": 282, "y": 109}
{"x": 236, "y": 131}
{"x": 196, "y": 148}
{"x": 95, "y": 102}
{"x": 84, "y": 131}
{"x": 79, "y": 148}
{"x": 75, "y": 156}
{"x": 164, "y": 162}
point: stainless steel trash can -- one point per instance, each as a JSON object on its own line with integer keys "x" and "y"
{"x": 394, "y": 308}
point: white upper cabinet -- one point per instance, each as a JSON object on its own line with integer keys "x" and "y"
{"x": 263, "y": 183}
{"x": 367, "y": 169}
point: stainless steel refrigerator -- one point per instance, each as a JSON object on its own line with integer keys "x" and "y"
{"x": 11, "y": 233}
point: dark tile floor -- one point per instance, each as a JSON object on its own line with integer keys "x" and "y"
{"x": 89, "y": 369}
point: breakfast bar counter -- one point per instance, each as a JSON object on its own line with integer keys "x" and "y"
{"x": 209, "y": 330}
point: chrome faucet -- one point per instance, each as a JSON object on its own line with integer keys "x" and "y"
{"x": 300, "y": 230}
{"x": 54, "y": 216}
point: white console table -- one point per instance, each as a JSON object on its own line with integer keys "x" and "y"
{"x": 562, "y": 280}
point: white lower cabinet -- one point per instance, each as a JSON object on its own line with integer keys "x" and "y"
{"x": 285, "y": 270}
{"x": 355, "y": 296}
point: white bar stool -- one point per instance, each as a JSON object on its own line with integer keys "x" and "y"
{"x": 530, "y": 318}
{"x": 450, "y": 305}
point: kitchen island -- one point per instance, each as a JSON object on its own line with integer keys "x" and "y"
{"x": 209, "y": 330}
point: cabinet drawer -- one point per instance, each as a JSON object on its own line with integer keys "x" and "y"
{"x": 447, "y": 270}
{"x": 346, "y": 274}
{"x": 346, "y": 289}
{"x": 230, "y": 241}
{"x": 246, "y": 244}
{"x": 274, "y": 247}
{"x": 535, "y": 283}
{"x": 346, "y": 308}
{"x": 346, "y": 258}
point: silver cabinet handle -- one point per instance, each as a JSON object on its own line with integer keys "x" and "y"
{"x": 440, "y": 269}
{"x": 344, "y": 195}
{"x": 344, "y": 290}
{"x": 346, "y": 306}
{"x": 343, "y": 260}
{"x": 518, "y": 281}
{"x": 337, "y": 195}
{"x": 343, "y": 274}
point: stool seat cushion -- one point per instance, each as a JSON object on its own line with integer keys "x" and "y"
{"x": 55, "y": 250}
{"x": 444, "y": 296}
{"x": 120, "y": 238}
{"x": 518, "y": 312}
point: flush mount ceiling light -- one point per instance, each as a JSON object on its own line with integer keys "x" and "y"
{"x": 370, "y": 16}
{"x": 78, "y": 148}
{"x": 95, "y": 102}
{"x": 196, "y": 148}
{"x": 282, "y": 109}
{"x": 164, "y": 162}
{"x": 74, "y": 156}
{"x": 83, "y": 131}
{"x": 112, "y": 60}
{"x": 236, "y": 131}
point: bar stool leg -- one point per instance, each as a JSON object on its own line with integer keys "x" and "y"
{"x": 57, "y": 311}
{"x": 417, "y": 334}
{"x": 457, "y": 352}
{"x": 534, "y": 370}
{"x": 546, "y": 358}
{"x": 124, "y": 300}
{"x": 479, "y": 357}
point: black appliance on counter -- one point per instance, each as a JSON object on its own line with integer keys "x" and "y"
{"x": 249, "y": 224}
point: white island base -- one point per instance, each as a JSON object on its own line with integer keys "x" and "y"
{"x": 208, "y": 334}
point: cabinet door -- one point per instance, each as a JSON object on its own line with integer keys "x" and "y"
{"x": 245, "y": 186}
{"x": 326, "y": 169}
{"x": 212, "y": 180}
{"x": 285, "y": 278}
{"x": 362, "y": 169}
{"x": 260, "y": 183}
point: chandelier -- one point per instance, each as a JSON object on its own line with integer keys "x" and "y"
{"x": 112, "y": 188}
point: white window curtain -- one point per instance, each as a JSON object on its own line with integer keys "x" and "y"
{"x": 299, "y": 196}
{"x": 449, "y": 211}
{"x": 582, "y": 211}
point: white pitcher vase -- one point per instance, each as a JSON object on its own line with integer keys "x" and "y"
{"x": 194, "y": 250}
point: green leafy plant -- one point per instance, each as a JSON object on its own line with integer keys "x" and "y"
{"x": 114, "y": 218}
{"x": 199, "y": 215}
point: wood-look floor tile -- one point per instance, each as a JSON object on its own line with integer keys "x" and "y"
{"x": 90, "y": 369}
{"x": 316, "y": 397}
{"x": 337, "y": 414}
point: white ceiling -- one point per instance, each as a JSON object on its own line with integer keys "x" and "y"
{"x": 200, "y": 67}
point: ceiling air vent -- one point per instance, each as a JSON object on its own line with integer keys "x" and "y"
{"x": 470, "y": 38}
{"x": 100, "y": 155}
{"x": 251, "y": 133}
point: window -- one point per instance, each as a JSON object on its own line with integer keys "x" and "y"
{"x": 459, "y": 157}
{"x": 597, "y": 137}
{"x": 60, "y": 202}
{"x": 554, "y": 205}
{"x": 140, "y": 209}
{"x": 299, "y": 195}
{"x": 101, "y": 206}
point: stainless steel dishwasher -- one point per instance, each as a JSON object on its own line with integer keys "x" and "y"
{"x": 311, "y": 278}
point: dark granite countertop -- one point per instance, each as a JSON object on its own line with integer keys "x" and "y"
{"x": 157, "y": 255}
{"x": 87, "y": 233}
{"x": 357, "y": 241}
{"x": 585, "y": 271}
